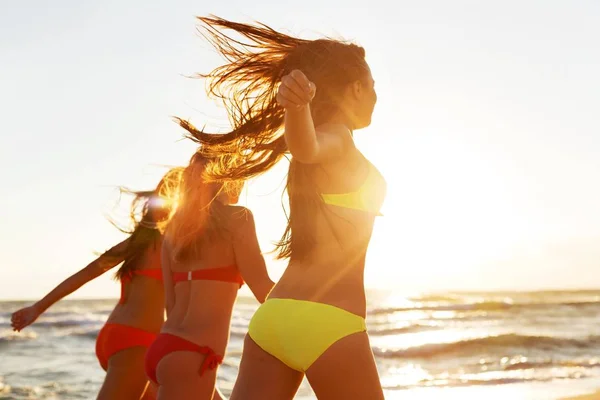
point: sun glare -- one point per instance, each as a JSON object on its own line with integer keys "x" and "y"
{"x": 448, "y": 212}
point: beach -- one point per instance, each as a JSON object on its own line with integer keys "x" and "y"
{"x": 530, "y": 346}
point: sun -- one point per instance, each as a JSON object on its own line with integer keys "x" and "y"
{"x": 446, "y": 214}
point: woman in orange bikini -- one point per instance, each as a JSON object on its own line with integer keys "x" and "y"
{"x": 306, "y": 97}
{"x": 210, "y": 249}
{"x": 137, "y": 318}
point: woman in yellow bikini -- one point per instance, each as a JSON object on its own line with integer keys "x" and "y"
{"x": 306, "y": 97}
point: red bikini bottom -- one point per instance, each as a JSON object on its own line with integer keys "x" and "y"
{"x": 166, "y": 343}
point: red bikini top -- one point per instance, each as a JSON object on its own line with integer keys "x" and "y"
{"x": 221, "y": 274}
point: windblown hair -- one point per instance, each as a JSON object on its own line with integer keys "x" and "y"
{"x": 148, "y": 211}
{"x": 247, "y": 86}
{"x": 198, "y": 217}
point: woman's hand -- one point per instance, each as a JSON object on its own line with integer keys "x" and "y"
{"x": 295, "y": 90}
{"x": 24, "y": 317}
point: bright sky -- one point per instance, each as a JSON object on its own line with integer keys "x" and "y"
{"x": 487, "y": 131}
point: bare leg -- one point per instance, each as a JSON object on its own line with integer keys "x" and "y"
{"x": 346, "y": 370}
{"x": 125, "y": 377}
{"x": 263, "y": 376}
{"x": 178, "y": 374}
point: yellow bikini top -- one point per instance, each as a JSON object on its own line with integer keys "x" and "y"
{"x": 369, "y": 197}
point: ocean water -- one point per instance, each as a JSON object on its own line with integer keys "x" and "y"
{"x": 540, "y": 345}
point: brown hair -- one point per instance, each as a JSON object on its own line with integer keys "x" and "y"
{"x": 197, "y": 216}
{"x": 149, "y": 209}
{"x": 247, "y": 86}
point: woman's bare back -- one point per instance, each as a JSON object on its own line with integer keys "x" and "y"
{"x": 201, "y": 311}
{"x": 332, "y": 272}
{"x": 143, "y": 297}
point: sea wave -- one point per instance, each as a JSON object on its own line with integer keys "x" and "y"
{"x": 50, "y": 390}
{"x": 61, "y": 319}
{"x": 412, "y": 328}
{"x": 488, "y": 305}
{"x": 471, "y": 346}
{"x": 86, "y": 333}
{"x": 485, "y": 306}
{"x": 483, "y": 381}
{"x": 12, "y": 336}
{"x": 534, "y": 364}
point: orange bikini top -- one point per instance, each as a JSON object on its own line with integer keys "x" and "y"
{"x": 154, "y": 273}
{"x": 229, "y": 273}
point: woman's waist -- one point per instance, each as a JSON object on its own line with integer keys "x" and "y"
{"x": 346, "y": 292}
{"x": 147, "y": 320}
{"x": 311, "y": 272}
{"x": 198, "y": 316}
{"x": 213, "y": 335}
{"x": 142, "y": 297}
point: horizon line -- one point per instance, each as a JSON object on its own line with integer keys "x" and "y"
{"x": 369, "y": 290}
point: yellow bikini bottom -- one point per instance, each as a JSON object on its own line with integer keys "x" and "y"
{"x": 297, "y": 332}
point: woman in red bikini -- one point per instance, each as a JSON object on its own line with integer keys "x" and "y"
{"x": 210, "y": 249}
{"x": 137, "y": 318}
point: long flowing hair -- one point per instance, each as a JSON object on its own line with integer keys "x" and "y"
{"x": 247, "y": 86}
{"x": 148, "y": 211}
{"x": 198, "y": 216}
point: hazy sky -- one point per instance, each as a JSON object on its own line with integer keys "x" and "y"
{"x": 487, "y": 131}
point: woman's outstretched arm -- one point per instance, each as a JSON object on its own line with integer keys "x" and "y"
{"x": 26, "y": 316}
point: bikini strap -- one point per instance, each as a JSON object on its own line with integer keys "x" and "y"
{"x": 223, "y": 274}
{"x": 212, "y": 360}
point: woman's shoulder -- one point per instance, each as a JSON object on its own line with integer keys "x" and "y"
{"x": 238, "y": 214}
{"x": 239, "y": 219}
